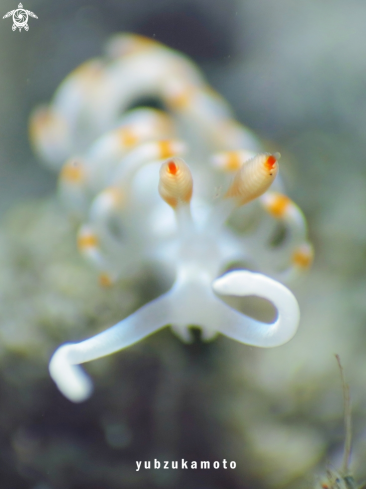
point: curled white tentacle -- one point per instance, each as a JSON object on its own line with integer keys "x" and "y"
{"x": 244, "y": 283}
{"x": 72, "y": 381}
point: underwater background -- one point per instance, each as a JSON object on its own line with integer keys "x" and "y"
{"x": 295, "y": 73}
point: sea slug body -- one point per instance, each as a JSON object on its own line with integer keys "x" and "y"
{"x": 143, "y": 182}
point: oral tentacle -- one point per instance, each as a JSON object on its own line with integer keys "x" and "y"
{"x": 64, "y": 368}
{"x": 250, "y": 331}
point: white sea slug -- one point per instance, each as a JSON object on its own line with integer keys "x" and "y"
{"x": 123, "y": 173}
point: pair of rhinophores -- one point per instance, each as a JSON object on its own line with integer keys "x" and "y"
{"x": 123, "y": 174}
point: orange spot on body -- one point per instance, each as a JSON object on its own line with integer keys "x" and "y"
{"x": 127, "y": 137}
{"x": 40, "y": 119}
{"x": 47, "y": 126}
{"x": 172, "y": 168}
{"x": 181, "y": 100}
{"x": 72, "y": 172}
{"x": 270, "y": 162}
{"x": 105, "y": 280}
{"x": 279, "y": 205}
{"x": 88, "y": 72}
{"x": 165, "y": 149}
{"x": 87, "y": 241}
{"x": 302, "y": 258}
{"x": 233, "y": 161}
{"x": 123, "y": 45}
{"x": 141, "y": 43}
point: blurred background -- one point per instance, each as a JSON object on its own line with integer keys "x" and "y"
{"x": 295, "y": 72}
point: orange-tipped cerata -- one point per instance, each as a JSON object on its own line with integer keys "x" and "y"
{"x": 253, "y": 178}
{"x": 176, "y": 183}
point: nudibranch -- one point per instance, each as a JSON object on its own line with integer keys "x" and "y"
{"x": 169, "y": 187}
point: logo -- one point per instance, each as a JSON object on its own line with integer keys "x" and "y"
{"x": 20, "y": 17}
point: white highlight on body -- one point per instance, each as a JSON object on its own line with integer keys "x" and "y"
{"x": 124, "y": 162}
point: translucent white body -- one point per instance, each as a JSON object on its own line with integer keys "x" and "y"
{"x": 116, "y": 167}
